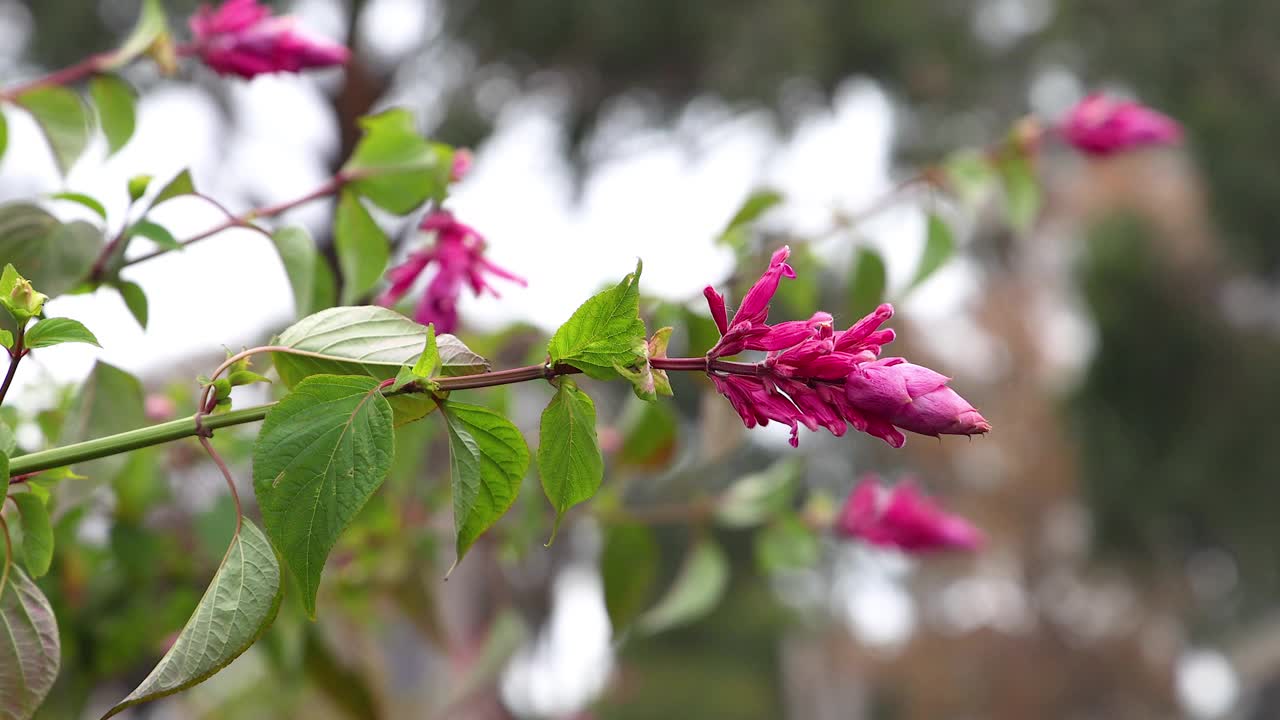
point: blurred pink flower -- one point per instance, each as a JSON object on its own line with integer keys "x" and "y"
{"x": 815, "y": 376}
{"x": 242, "y": 38}
{"x": 903, "y": 517}
{"x": 1102, "y": 125}
{"x": 462, "y": 161}
{"x": 459, "y": 254}
{"x": 159, "y": 407}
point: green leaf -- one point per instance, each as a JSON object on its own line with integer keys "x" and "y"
{"x": 84, "y": 201}
{"x": 180, "y": 185}
{"x": 19, "y": 299}
{"x": 697, "y": 589}
{"x": 30, "y": 651}
{"x": 155, "y": 233}
{"x": 4, "y": 454}
{"x": 757, "y": 204}
{"x": 137, "y": 187}
{"x": 866, "y": 288}
{"x": 397, "y": 169}
{"x": 786, "y": 544}
{"x": 134, "y": 299}
{"x": 629, "y": 567}
{"x": 370, "y": 341}
{"x": 235, "y": 611}
{"x": 150, "y": 26}
{"x": 606, "y": 331}
{"x": 56, "y": 330}
{"x": 363, "y": 249}
{"x": 109, "y": 401}
{"x": 8, "y": 443}
{"x": 54, "y": 256}
{"x": 64, "y": 120}
{"x": 115, "y": 101}
{"x": 938, "y": 248}
{"x": 37, "y": 532}
{"x": 4, "y": 134}
{"x": 648, "y": 434}
{"x": 6, "y": 339}
{"x": 428, "y": 363}
{"x": 322, "y": 452}
{"x": 569, "y": 459}
{"x": 756, "y": 497}
{"x": 305, "y": 268}
{"x": 487, "y": 462}
{"x": 1021, "y": 191}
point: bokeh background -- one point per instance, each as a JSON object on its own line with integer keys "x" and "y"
{"x": 1123, "y": 347}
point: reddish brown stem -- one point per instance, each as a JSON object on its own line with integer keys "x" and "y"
{"x": 65, "y": 76}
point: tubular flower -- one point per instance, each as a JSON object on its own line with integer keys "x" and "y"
{"x": 816, "y": 376}
{"x": 459, "y": 254}
{"x": 904, "y": 518}
{"x": 1101, "y": 125}
{"x": 242, "y": 38}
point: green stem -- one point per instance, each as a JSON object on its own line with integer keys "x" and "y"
{"x": 130, "y": 440}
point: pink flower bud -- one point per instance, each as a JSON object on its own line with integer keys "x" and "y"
{"x": 1100, "y": 125}
{"x": 785, "y": 334}
{"x": 159, "y": 407}
{"x": 755, "y": 304}
{"x": 715, "y": 301}
{"x": 242, "y": 38}
{"x": 913, "y": 398}
{"x": 462, "y": 161}
{"x": 904, "y": 518}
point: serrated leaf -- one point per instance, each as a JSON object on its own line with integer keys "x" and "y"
{"x": 157, "y": 234}
{"x": 939, "y": 245}
{"x": 54, "y": 256}
{"x": 604, "y": 332}
{"x": 866, "y": 288}
{"x": 629, "y": 568}
{"x": 180, "y": 185}
{"x": 786, "y": 544}
{"x": 115, "y": 102}
{"x": 697, "y": 589}
{"x": 84, "y": 201}
{"x": 235, "y": 611}
{"x": 1021, "y": 191}
{"x": 756, "y": 204}
{"x": 64, "y": 120}
{"x": 304, "y": 266}
{"x": 135, "y": 299}
{"x": 396, "y": 168}
{"x": 30, "y": 652}
{"x": 150, "y": 26}
{"x": 372, "y": 341}
{"x": 56, "y": 330}
{"x": 487, "y": 462}
{"x": 569, "y": 459}
{"x": 363, "y": 249}
{"x": 37, "y": 532}
{"x": 757, "y": 496}
{"x": 322, "y": 452}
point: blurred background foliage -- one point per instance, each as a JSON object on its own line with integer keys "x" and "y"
{"x": 1160, "y": 449}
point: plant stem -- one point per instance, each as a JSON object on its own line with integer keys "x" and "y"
{"x": 330, "y": 187}
{"x": 23, "y": 466}
{"x": 130, "y": 440}
{"x": 15, "y": 354}
{"x": 65, "y": 76}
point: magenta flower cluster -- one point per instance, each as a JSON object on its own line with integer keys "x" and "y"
{"x": 1102, "y": 125}
{"x": 816, "y": 376}
{"x": 242, "y": 38}
{"x": 904, "y": 518}
{"x": 458, "y": 253}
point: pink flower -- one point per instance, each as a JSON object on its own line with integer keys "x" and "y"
{"x": 459, "y": 253}
{"x": 902, "y": 517}
{"x": 462, "y": 161}
{"x": 815, "y": 376}
{"x": 1101, "y": 125}
{"x": 242, "y": 38}
{"x": 913, "y": 398}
